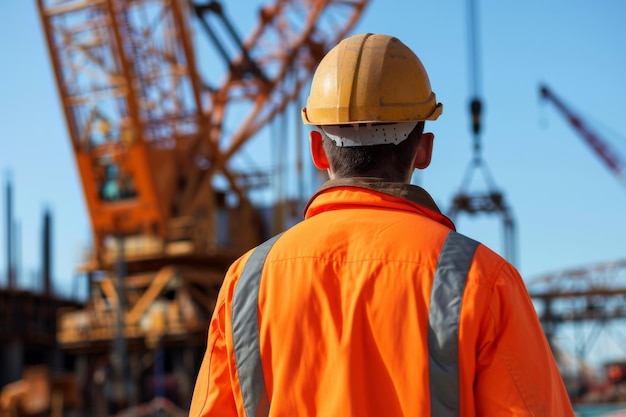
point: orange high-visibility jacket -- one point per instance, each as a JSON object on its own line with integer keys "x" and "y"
{"x": 374, "y": 306}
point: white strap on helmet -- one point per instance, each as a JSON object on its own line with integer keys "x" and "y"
{"x": 369, "y": 134}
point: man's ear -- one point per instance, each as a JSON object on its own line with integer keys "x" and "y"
{"x": 317, "y": 151}
{"x": 424, "y": 151}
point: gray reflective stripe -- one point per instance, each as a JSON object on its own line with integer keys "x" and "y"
{"x": 443, "y": 323}
{"x": 246, "y": 333}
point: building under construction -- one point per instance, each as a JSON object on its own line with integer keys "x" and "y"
{"x": 29, "y": 351}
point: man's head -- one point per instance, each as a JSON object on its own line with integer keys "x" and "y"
{"x": 370, "y": 96}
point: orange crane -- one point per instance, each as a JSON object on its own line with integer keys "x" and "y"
{"x": 154, "y": 133}
{"x": 609, "y": 156}
{"x": 146, "y": 128}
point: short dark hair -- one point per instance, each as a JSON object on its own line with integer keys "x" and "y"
{"x": 388, "y": 161}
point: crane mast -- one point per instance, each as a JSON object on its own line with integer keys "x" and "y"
{"x": 131, "y": 98}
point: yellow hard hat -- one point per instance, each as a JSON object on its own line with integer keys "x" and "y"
{"x": 371, "y": 79}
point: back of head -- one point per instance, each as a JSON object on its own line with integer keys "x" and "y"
{"x": 370, "y": 91}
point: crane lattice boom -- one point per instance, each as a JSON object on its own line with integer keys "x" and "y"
{"x": 150, "y": 130}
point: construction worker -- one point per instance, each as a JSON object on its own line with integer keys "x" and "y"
{"x": 373, "y": 305}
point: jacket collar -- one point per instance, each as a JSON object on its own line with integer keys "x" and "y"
{"x": 409, "y": 192}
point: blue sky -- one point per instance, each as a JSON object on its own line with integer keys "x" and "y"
{"x": 569, "y": 208}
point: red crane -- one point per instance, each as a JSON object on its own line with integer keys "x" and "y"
{"x": 603, "y": 149}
